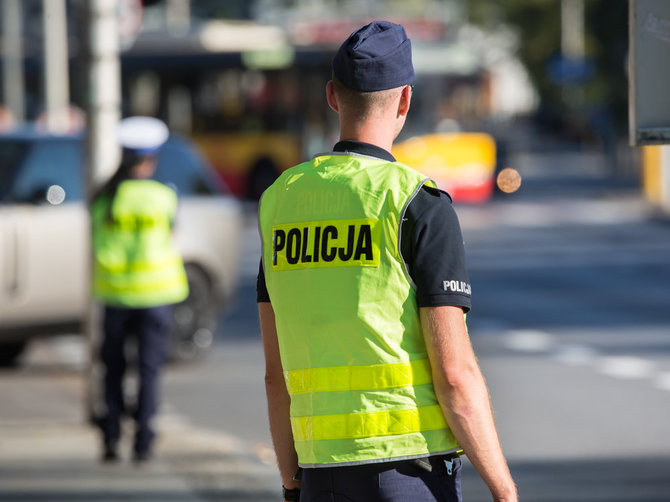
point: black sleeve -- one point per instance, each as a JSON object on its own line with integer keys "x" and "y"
{"x": 262, "y": 295}
{"x": 433, "y": 250}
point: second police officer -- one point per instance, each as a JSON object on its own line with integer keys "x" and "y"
{"x": 137, "y": 275}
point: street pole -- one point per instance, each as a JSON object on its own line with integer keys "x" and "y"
{"x": 103, "y": 91}
{"x": 178, "y": 16}
{"x": 572, "y": 47}
{"x": 12, "y": 61}
{"x": 572, "y": 29}
{"x": 56, "y": 77}
{"x": 103, "y": 104}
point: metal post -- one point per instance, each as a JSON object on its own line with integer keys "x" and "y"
{"x": 12, "y": 61}
{"x": 178, "y": 16}
{"x": 572, "y": 47}
{"x": 104, "y": 91}
{"x": 572, "y": 29}
{"x": 56, "y": 78}
{"x": 103, "y": 104}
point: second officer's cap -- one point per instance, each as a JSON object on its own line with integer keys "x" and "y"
{"x": 142, "y": 135}
{"x": 375, "y": 57}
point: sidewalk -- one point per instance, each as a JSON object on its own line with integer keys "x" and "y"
{"x": 49, "y": 454}
{"x": 58, "y": 462}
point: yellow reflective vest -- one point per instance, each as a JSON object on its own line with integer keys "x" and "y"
{"x": 350, "y": 338}
{"x": 135, "y": 262}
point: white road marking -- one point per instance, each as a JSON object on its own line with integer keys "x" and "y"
{"x": 662, "y": 381}
{"x": 626, "y": 367}
{"x": 575, "y": 355}
{"x": 622, "y": 367}
{"x": 529, "y": 341}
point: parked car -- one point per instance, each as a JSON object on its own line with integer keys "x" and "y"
{"x": 45, "y": 250}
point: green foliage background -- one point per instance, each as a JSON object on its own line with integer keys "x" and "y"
{"x": 606, "y": 38}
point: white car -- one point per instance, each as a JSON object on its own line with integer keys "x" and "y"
{"x": 44, "y": 244}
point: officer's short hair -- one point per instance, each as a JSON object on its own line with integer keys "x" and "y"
{"x": 364, "y": 103}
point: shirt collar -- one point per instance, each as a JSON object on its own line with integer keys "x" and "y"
{"x": 361, "y": 148}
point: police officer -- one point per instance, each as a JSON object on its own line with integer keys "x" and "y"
{"x": 138, "y": 274}
{"x": 372, "y": 384}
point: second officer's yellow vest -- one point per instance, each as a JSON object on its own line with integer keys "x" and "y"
{"x": 348, "y": 325}
{"x": 135, "y": 262}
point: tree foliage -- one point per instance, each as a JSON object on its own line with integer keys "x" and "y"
{"x": 538, "y": 23}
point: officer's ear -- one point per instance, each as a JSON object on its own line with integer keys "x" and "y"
{"x": 331, "y": 97}
{"x": 405, "y": 99}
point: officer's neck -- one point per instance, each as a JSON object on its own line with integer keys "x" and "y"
{"x": 379, "y": 129}
{"x": 368, "y": 132}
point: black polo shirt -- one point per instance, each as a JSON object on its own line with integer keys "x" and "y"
{"x": 431, "y": 243}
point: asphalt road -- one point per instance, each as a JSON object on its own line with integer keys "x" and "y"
{"x": 570, "y": 320}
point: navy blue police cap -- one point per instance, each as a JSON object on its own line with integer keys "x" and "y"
{"x": 375, "y": 57}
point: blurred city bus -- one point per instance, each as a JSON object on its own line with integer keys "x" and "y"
{"x": 253, "y": 98}
{"x": 238, "y": 89}
{"x": 461, "y": 163}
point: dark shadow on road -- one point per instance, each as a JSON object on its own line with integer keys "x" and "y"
{"x": 614, "y": 480}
